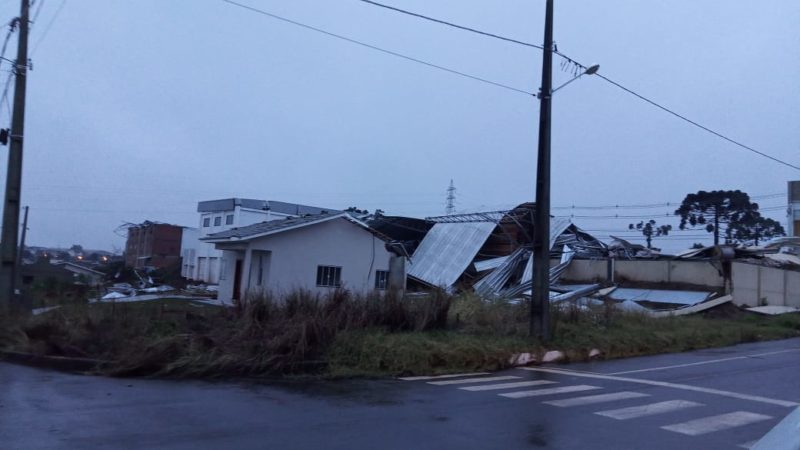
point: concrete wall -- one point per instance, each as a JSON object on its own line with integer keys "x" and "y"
{"x": 290, "y": 259}
{"x": 663, "y": 271}
{"x": 755, "y": 285}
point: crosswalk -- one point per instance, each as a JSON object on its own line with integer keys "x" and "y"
{"x": 633, "y": 404}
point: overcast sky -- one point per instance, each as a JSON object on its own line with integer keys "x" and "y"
{"x": 139, "y": 109}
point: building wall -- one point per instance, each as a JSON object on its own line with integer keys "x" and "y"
{"x": 153, "y": 245}
{"x": 755, "y": 285}
{"x": 206, "y": 262}
{"x": 794, "y": 209}
{"x": 661, "y": 271}
{"x": 291, "y": 259}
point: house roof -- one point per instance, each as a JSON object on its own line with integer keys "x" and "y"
{"x": 277, "y": 226}
{"x": 228, "y": 204}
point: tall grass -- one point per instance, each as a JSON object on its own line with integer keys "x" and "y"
{"x": 347, "y": 334}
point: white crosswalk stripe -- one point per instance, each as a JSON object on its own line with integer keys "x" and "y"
{"x": 716, "y": 423}
{"x": 550, "y": 391}
{"x": 648, "y": 410}
{"x": 518, "y": 384}
{"x": 473, "y": 380}
{"x": 449, "y": 375}
{"x": 592, "y": 399}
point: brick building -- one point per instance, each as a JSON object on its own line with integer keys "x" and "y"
{"x": 153, "y": 245}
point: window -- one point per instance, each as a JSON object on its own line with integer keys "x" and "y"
{"x": 217, "y": 221}
{"x": 206, "y": 222}
{"x": 229, "y": 219}
{"x": 381, "y": 279}
{"x": 330, "y": 276}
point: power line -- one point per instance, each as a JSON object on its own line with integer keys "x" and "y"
{"x": 454, "y": 25}
{"x": 383, "y": 50}
{"x": 583, "y": 67}
{"x": 702, "y": 127}
{"x": 49, "y": 25}
{"x": 656, "y": 205}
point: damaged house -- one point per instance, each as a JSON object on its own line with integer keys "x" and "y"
{"x": 490, "y": 252}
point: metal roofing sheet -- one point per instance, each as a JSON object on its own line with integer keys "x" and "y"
{"x": 659, "y": 296}
{"x": 488, "y": 264}
{"x": 447, "y": 250}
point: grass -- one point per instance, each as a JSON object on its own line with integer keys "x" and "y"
{"x": 343, "y": 335}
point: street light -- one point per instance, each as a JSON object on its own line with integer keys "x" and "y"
{"x": 589, "y": 71}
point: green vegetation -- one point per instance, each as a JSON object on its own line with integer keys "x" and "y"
{"x": 344, "y": 335}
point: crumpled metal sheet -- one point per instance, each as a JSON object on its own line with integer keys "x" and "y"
{"x": 489, "y": 264}
{"x": 447, "y": 250}
{"x": 660, "y": 296}
{"x": 498, "y": 278}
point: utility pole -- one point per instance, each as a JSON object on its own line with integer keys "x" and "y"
{"x": 11, "y": 206}
{"x": 540, "y": 299}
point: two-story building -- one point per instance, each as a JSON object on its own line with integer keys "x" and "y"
{"x": 201, "y": 261}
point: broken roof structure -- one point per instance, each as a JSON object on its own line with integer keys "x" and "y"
{"x": 491, "y": 250}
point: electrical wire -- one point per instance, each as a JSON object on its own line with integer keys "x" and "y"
{"x": 47, "y": 28}
{"x": 702, "y": 127}
{"x": 601, "y": 76}
{"x": 451, "y": 24}
{"x": 376, "y": 48}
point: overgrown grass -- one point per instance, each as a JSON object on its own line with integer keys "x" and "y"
{"x": 345, "y": 335}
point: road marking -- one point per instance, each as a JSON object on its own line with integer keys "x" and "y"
{"x": 436, "y": 377}
{"x": 550, "y": 391}
{"x": 473, "y": 380}
{"x": 700, "y": 363}
{"x": 648, "y": 410}
{"x": 684, "y": 387}
{"x": 592, "y": 399}
{"x": 518, "y": 384}
{"x": 748, "y": 445}
{"x": 716, "y": 423}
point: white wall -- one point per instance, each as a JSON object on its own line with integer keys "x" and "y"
{"x": 295, "y": 254}
{"x": 700, "y": 273}
{"x": 189, "y": 240}
{"x": 209, "y": 270}
{"x": 755, "y": 285}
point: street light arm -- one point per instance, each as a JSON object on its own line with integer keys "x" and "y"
{"x": 589, "y": 71}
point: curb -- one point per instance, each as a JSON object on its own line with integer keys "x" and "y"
{"x": 60, "y": 363}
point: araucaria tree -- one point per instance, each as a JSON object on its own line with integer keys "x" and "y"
{"x": 649, "y": 229}
{"x": 758, "y": 229}
{"x": 719, "y": 212}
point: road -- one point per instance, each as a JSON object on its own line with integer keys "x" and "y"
{"x": 711, "y": 399}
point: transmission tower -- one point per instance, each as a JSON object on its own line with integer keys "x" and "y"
{"x": 451, "y": 199}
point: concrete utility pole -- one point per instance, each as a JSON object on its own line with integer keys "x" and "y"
{"x": 10, "y": 233}
{"x": 540, "y": 299}
{"x": 22, "y": 243}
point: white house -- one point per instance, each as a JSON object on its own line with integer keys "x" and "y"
{"x": 318, "y": 253}
{"x": 201, "y": 261}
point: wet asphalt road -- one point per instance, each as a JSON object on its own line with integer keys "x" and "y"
{"x": 721, "y": 398}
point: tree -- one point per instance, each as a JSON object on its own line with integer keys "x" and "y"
{"x": 757, "y": 228}
{"x": 649, "y": 229}
{"x": 717, "y": 211}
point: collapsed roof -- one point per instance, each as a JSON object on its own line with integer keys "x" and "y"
{"x": 494, "y": 249}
